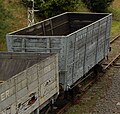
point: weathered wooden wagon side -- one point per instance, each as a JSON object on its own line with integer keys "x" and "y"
{"x": 81, "y": 39}
{"x": 29, "y": 81}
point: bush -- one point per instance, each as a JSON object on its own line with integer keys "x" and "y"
{"x": 48, "y": 8}
{"x": 98, "y": 5}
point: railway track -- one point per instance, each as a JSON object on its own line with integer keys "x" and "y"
{"x": 114, "y": 54}
{"x": 111, "y": 62}
{"x": 78, "y": 96}
{"x": 114, "y": 39}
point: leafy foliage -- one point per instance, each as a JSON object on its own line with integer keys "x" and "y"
{"x": 98, "y": 5}
{"x": 48, "y": 8}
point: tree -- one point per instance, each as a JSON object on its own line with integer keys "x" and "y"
{"x": 48, "y": 8}
{"x": 98, "y": 5}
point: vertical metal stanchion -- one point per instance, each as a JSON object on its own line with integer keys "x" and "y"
{"x": 31, "y": 13}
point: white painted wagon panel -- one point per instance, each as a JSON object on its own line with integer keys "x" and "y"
{"x": 25, "y": 94}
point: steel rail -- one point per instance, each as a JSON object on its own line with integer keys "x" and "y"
{"x": 114, "y": 39}
{"x": 83, "y": 91}
{"x": 87, "y": 86}
{"x": 115, "y": 58}
{"x": 111, "y": 62}
{"x": 66, "y": 107}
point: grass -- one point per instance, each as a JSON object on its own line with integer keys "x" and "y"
{"x": 18, "y": 12}
{"x": 115, "y": 9}
{"x": 16, "y": 18}
{"x": 115, "y": 28}
{"x": 116, "y": 4}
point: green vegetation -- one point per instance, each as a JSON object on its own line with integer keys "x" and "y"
{"x": 98, "y": 5}
{"x": 13, "y": 14}
{"x": 81, "y": 7}
{"x": 115, "y": 28}
{"x": 3, "y": 24}
{"x": 48, "y": 8}
{"x": 115, "y": 10}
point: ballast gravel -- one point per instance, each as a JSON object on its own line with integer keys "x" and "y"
{"x": 110, "y": 104}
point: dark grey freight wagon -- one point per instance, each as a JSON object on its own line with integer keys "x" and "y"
{"x": 81, "y": 39}
{"x": 28, "y": 82}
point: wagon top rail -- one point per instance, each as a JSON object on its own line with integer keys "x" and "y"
{"x": 61, "y": 25}
{"x": 14, "y": 63}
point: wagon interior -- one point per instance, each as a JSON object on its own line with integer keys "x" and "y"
{"x": 14, "y": 63}
{"x": 60, "y": 25}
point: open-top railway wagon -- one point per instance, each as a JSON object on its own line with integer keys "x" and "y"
{"x": 81, "y": 39}
{"x": 28, "y": 82}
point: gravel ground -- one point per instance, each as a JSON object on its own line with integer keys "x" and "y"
{"x": 103, "y": 97}
{"x": 111, "y": 103}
